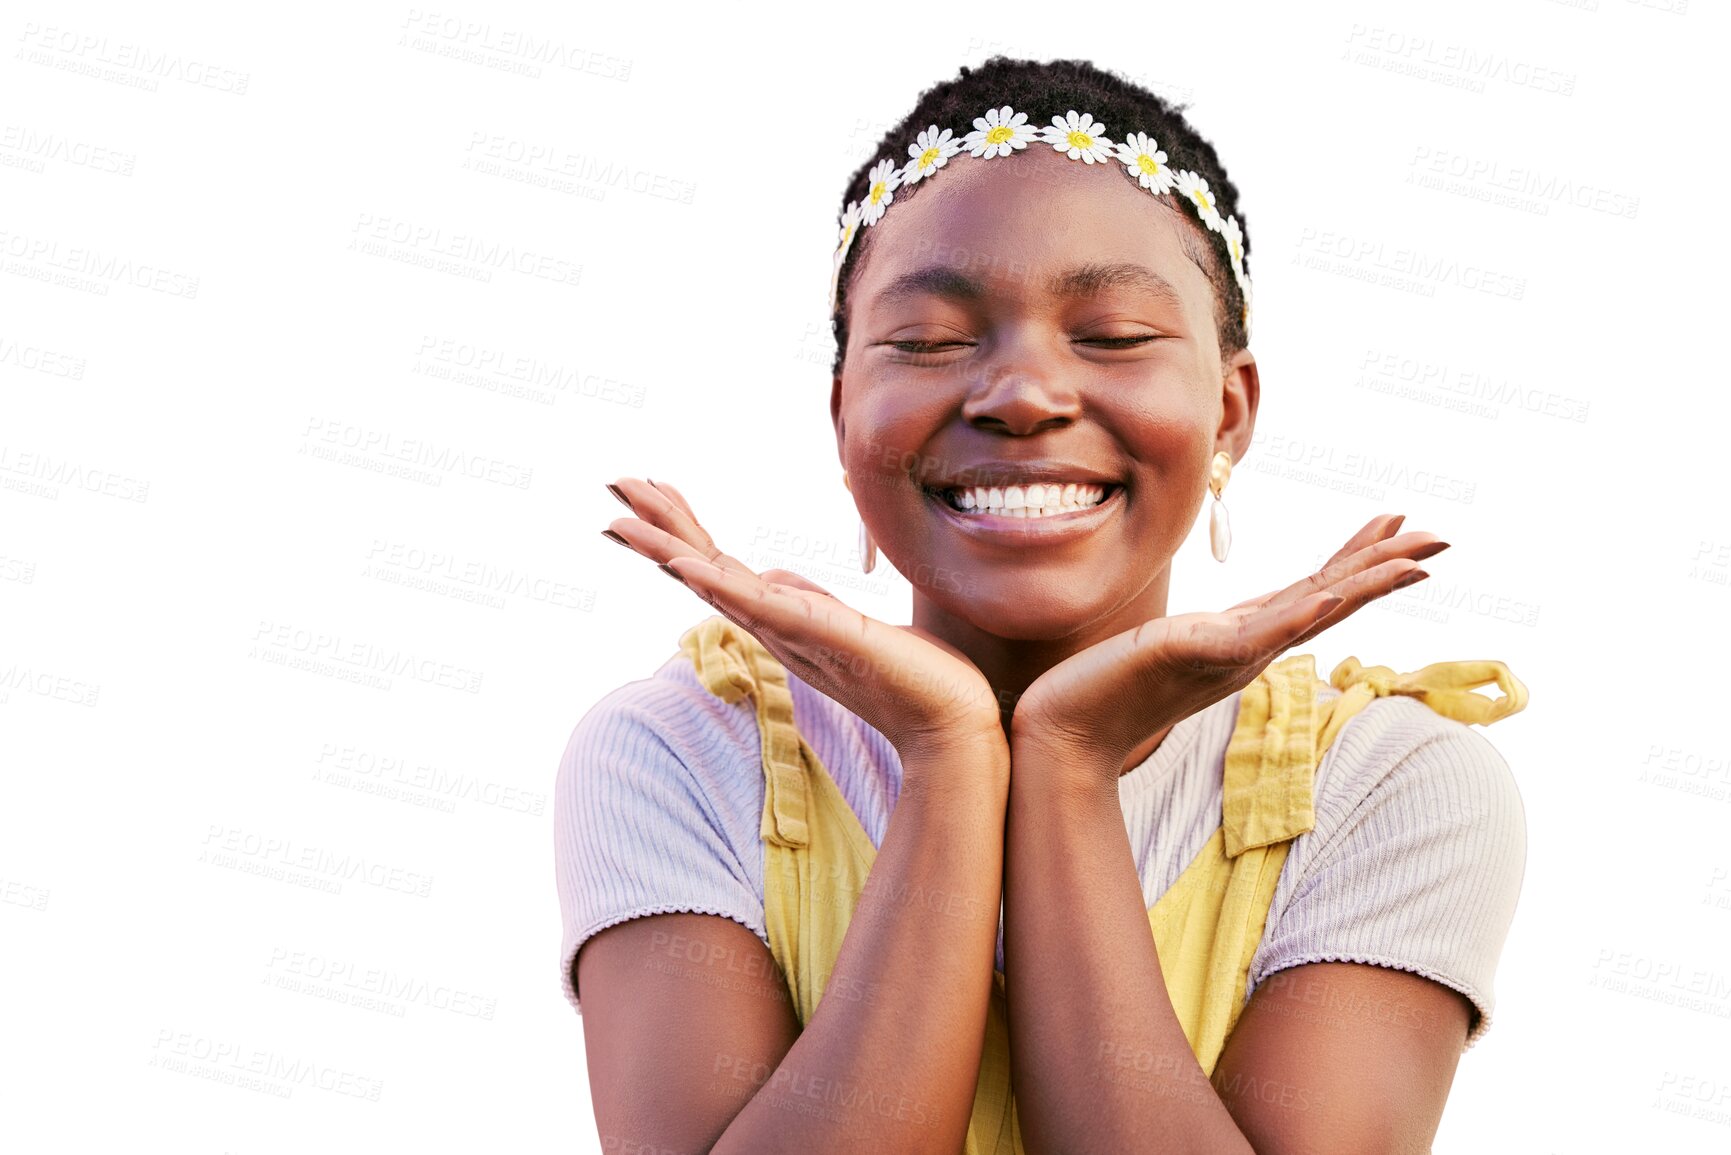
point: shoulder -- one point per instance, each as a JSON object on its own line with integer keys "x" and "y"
{"x": 661, "y": 773}
{"x": 1416, "y": 859}
{"x": 1399, "y": 755}
{"x": 657, "y": 802}
{"x": 666, "y": 723}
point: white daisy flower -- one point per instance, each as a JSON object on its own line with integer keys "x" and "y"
{"x": 1234, "y": 245}
{"x": 1195, "y": 190}
{"x": 849, "y": 226}
{"x": 849, "y": 229}
{"x": 999, "y": 132}
{"x": 1078, "y": 137}
{"x": 931, "y": 150}
{"x": 881, "y": 185}
{"x": 1147, "y": 163}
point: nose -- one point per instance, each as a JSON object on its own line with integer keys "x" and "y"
{"x": 1022, "y": 395}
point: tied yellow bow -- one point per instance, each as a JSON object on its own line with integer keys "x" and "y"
{"x": 1285, "y": 726}
{"x": 1446, "y": 687}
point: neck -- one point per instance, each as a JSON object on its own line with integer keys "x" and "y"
{"x": 1012, "y": 664}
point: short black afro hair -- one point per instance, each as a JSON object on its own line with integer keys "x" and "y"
{"x": 1049, "y": 89}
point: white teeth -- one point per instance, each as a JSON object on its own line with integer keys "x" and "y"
{"x": 1038, "y": 500}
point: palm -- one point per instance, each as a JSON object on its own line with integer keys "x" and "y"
{"x": 1116, "y": 694}
{"x": 906, "y": 683}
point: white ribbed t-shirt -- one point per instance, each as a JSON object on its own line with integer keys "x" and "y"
{"x": 1415, "y": 861}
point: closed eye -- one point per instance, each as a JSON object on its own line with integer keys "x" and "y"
{"x": 923, "y": 346}
{"x": 1119, "y": 342}
{"x": 1107, "y": 342}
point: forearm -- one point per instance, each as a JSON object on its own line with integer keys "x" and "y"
{"x": 1099, "y": 1061}
{"x": 890, "y": 1059}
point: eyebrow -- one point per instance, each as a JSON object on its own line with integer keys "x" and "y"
{"x": 1086, "y": 280}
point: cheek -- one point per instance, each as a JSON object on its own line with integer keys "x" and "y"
{"x": 1173, "y": 443}
{"x": 888, "y": 430}
{"x": 887, "y": 433}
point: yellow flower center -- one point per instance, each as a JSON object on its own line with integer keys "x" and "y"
{"x": 1000, "y": 134}
{"x": 1148, "y": 165}
{"x": 927, "y": 157}
{"x": 1080, "y": 140}
{"x": 1237, "y": 253}
{"x": 877, "y": 192}
{"x": 1201, "y": 199}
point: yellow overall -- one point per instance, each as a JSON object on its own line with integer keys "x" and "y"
{"x": 1206, "y": 927}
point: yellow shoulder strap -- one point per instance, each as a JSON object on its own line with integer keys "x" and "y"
{"x": 732, "y": 664}
{"x": 816, "y": 855}
{"x": 1208, "y": 926}
{"x": 816, "y": 858}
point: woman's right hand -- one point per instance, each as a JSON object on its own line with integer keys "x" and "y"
{"x": 925, "y": 696}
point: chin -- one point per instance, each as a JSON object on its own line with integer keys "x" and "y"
{"x": 1006, "y": 605}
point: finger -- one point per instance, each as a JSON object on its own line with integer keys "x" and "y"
{"x": 1414, "y": 546}
{"x": 678, "y": 498}
{"x": 1238, "y": 645}
{"x": 660, "y": 547}
{"x": 1277, "y": 628}
{"x": 661, "y": 512}
{"x": 784, "y": 618}
{"x": 1378, "y": 528}
{"x": 1361, "y": 589}
{"x": 787, "y": 577}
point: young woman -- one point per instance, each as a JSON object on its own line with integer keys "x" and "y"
{"x": 1050, "y": 869}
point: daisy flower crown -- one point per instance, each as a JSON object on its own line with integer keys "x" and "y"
{"x": 1004, "y": 131}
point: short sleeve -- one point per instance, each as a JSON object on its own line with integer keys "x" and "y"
{"x": 1421, "y": 872}
{"x": 655, "y": 803}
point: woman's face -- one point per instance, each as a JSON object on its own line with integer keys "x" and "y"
{"x": 1031, "y": 319}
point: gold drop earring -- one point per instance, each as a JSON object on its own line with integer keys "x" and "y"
{"x": 868, "y": 549}
{"x": 1219, "y": 527}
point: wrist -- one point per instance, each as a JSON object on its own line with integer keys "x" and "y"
{"x": 968, "y": 763}
{"x": 1060, "y": 766}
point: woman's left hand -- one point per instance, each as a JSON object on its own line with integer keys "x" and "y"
{"x": 1107, "y": 700}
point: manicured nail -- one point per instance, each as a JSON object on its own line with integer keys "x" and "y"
{"x": 674, "y": 574}
{"x": 620, "y": 494}
{"x": 1430, "y": 550}
{"x": 607, "y": 533}
{"x": 1414, "y": 576}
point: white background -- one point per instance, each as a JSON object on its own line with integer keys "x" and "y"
{"x": 197, "y": 318}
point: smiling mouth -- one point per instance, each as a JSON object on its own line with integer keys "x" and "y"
{"x": 1032, "y": 502}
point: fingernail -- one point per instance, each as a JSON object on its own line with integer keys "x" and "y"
{"x": 607, "y": 533}
{"x": 1414, "y": 576}
{"x": 1430, "y": 550}
{"x": 674, "y": 574}
{"x": 620, "y": 494}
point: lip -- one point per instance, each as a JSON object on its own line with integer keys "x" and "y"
{"x": 1023, "y": 531}
{"x": 1005, "y": 473}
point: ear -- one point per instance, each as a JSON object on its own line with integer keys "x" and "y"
{"x": 835, "y": 417}
{"x": 1240, "y": 392}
